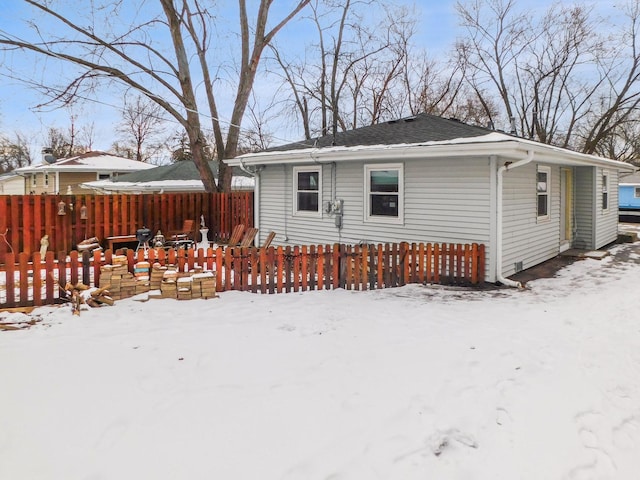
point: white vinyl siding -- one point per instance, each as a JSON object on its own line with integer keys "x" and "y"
{"x": 584, "y": 208}
{"x": 526, "y": 239}
{"x": 441, "y": 204}
{"x": 606, "y": 220}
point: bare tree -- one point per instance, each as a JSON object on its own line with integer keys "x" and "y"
{"x": 142, "y": 121}
{"x": 14, "y": 152}
{"x": 64, "y": 142}
{"x": 104, "y": 53}
{"x": 497, "y": 35}
{"x": 559, "y": 78}
{"x": 349, "y": 75}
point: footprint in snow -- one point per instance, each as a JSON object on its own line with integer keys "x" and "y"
{"x": 445, "y": 439}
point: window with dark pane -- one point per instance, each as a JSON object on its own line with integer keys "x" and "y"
{"x": 308, "y": 183}
{"x": 543, "y": 193}
{"x": 384, "y": 193}
{"x": 605, "y": 191}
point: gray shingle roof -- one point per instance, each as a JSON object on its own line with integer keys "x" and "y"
{"x": 421, "y": 128}
{"x": 184, "y": 170}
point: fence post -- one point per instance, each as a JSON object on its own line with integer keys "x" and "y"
{"x": 62, "y": 269}
{"x": 10, "y": 265}
{"x": 305, "y": 268}
{"x": 86, "y": 268}
{"x": 371, "y": 267}
{"x": 37, "y": 279}
{"x": 49, "y": 279}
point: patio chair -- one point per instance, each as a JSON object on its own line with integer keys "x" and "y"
{"x": 249, "y": 237}
{"x": 186, "y": 232}
{"x": 268, "y": 240}
{"x": 182, "y": 238}
{"x": 236, "y": 236}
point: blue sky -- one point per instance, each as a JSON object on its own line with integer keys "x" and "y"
{"x": 437, "y": 30}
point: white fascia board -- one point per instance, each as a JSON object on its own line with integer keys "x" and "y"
{"x": 376, "y": 152}
{"x": 506, "y": 148}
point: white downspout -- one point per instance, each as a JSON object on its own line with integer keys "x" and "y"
{"x": 256, "y": 193}
{"x": 507, "y": 166}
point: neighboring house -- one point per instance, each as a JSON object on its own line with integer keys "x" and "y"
{"x": 177, "y": 177}
{"x": 431, "y": 179}
{"x": 66, "y": 174}
{"x": 11, "y": 184}
{"x": 629, "y": 193}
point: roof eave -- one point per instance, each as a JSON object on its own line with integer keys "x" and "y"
{"x": 508, "y": 149}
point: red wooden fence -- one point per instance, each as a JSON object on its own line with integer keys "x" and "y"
{"x": 26, "y": 218}
{"x": 271, "y": 270}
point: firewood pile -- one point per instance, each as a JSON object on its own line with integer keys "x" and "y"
{"x": 80, "y": 294}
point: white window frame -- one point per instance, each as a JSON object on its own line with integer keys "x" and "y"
{"x": 545, "y": 217}
{"x": 105, "y": 176}
{"x": 307, "y": 213}
{"x": 46, "y": 179}
{"x": 34, "y": 181}
{"x": 636, "y": 192}
{"x": 605, "y": 194}
{"x": 368, "y": 218}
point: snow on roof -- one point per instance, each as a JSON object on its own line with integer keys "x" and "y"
{"x": 107, "y": 186}
{"x": 90, "y": 161}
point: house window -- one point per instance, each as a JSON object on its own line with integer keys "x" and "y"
{"x": 46, "y": 179}
{"x": 104, "y": 176}
{"x": 605, "y": 190}
{"x": 384, "y": 193}
{"x": 307, "y": 188}
{"x": 636, "y": 192}
{"x": 543, "y": 188}
{"x": 33, "y": 180}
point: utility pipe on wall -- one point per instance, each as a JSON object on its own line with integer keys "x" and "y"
{"x": 499, "y": 234}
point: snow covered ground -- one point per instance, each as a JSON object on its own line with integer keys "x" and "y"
{"x": 417, "y": 382}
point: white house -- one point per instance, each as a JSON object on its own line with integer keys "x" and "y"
{"x": 66, "y": 174}
{"x": 431, "y": 179}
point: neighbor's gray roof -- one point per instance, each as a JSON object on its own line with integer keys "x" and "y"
{"x": 183, "y": 170}
{"x": 417, "y": 129}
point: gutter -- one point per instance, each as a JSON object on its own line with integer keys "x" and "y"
{"x": 499, "y": 240}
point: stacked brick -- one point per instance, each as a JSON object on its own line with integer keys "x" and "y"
{"x": 117, "y": 279}
{"x": 145, "y": 278}
{"x": 141, "y": 273}
{"x": 157, "y": 274}
{"x": 203, "y": 285}
{"x": 169, "y": 285}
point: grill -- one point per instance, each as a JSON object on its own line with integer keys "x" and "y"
{"x": 143, "y": 235}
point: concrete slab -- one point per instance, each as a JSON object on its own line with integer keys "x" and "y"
{"x": 577, "y": 253}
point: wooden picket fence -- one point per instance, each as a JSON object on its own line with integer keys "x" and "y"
{"x": 270, "y": 270}
{"x": 25, "y": 219}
